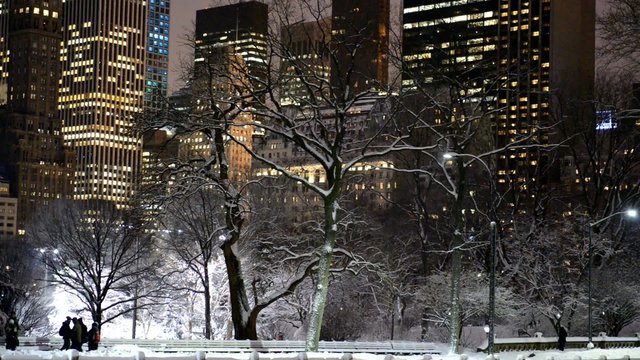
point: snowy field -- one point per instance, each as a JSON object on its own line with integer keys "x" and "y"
{"x": 126, "y": 352}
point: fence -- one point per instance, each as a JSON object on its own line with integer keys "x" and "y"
{"x": 248, "y": 346}
{"x": 538, "y": 342}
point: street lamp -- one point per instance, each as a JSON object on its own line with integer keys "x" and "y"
{"x": 487, "y": 330}
{"x": 632, "y": 213}
{"x": 450, "y": 155}
{"x": 490, "y": 328}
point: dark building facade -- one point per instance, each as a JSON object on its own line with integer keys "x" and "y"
{"x": 4, "y": 59}
{"x": 449, "y": 40}
{"x": 360, "y": 35}
{"x": 243, "y": 27}
{"x": 40, "y": 170}
{"x": 534, "y": 59}
{"x": 307, "y": 60}
{"x": 547, "y": 63}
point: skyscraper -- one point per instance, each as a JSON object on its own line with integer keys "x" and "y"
{"x": 4, "y": 58}
{"x": 39, "y": 169}
{"x": 308, "y": 59}
{"x": 449, "y": 40}
{"x": 242, "y": 27}
{"x": 157, "y": 71}
{"x": 360, "y": 34}
{"x": 101, "y": 92}
{"x": 533, "y": 57}
{"x": 546, "y": 60}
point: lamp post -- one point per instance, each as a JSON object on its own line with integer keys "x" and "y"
{"x": 492, "y": 288}
{"x": 487, "y": 331}
{"x": 632, "y": 213}
{"x": 490, "y": 328}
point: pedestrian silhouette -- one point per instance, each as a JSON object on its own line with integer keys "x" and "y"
{"x": 65, "y": 332}
{"x": 11, "y": 330}
{"x": 76, "y": 335}
{"x": 94, "y": 337}
{"x": 562, "y": 338}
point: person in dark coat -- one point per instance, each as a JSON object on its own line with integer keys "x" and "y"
{"x": 65, "y": 332}
{"x": 84, "y": 332}
{"x": 562, "y": 338}
{"x": 11, "y": 330}
{"x": 93, "y": 337}
{"x": 76, "y": 335}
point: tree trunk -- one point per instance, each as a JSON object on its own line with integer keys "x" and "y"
{"x": 97, "y": 316}
{"x": 423, "y": 225}
{"x": 324, "y": 269}
{"x": 233, "y": 220}
{"x": 207, "y": 303}
{"x": 454, "y": 317}
{"x": 424, "y": 324}
{"x": 237, "y": 295}
{"x": 134, "y": 320}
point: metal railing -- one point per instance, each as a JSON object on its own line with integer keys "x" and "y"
{"x": 539, "y": 342}
{"x": 248, "y": 346}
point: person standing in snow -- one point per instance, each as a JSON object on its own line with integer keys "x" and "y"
{"x": 65, "y": 332}
{"x": 83, "y": 329}
{"x": 562, "y": 338}
{"x": 93, "y": 337}
{"x": 76, "y": 335}
{"x": 11, "y": 330}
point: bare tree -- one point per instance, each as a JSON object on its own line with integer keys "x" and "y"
{"x": 619, "y": 28}
{"x": 334, "y": 129}
{"x": 101, "y": 253}
{"x": 22, "y": 289}
{"x": 195, "y": 232}
{"x": 183, "y": 314}
{"x": 601, "y": 166}
{"x": 457, "y": 166}
{"x": 475, "y": 299}
{"x": 329, "y": 131}
{"x": 220, "y": 84}
{"x": 617, "y": 305}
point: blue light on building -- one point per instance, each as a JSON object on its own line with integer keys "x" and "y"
{"x": 157, "y": 54}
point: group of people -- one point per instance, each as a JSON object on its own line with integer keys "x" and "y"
{"x": 11, "y": 330}
{"x": 74, "y": 337}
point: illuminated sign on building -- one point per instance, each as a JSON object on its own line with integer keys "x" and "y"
{"x": 606, "y": 120}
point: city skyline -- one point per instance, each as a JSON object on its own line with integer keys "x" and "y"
{"x": 74, "y": 78}
{"x": 155, "y": 88}
{"x": 183, "y": 21}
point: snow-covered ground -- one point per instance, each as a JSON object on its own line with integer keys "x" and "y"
{"x": 131, "y": 352}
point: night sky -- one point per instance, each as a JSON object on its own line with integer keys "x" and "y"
{"x": 183, "y": 14}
